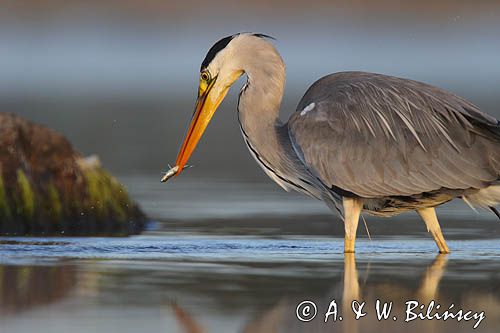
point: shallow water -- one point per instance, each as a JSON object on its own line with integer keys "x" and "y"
{"x": 247, "y": 269}
{"x": 163, "y": 282}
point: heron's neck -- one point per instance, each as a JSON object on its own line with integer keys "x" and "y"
{"x": 259, "y": 106}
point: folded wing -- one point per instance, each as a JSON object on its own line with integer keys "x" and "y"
{"x": 375, "y": 135}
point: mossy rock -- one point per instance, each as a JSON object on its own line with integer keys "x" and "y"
{"x": 46, "y": 187}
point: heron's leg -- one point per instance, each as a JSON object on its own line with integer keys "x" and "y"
{"x": 352, "y": 209}
{"x": 431, "y": 221}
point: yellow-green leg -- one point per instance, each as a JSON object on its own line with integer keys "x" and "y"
{"x": 431, "y": 221}
{"x": 352, "y": 210}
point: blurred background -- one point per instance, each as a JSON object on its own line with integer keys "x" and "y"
{"x": 119, "y": 78}
{"x": 231, "y": 251}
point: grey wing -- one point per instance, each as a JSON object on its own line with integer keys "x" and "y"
{"x": 375, "y": 135}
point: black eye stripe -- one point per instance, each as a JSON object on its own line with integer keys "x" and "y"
{"x": 220, "y": 45}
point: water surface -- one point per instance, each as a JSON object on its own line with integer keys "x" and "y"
{"x": 241, "y": 258}
{"x": 163, "y": 282}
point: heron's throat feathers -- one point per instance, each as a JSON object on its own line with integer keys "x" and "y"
{"x": 260, "y": 98}
{"x": 259, "y": 104}
{"x": 267, "y": 138}
{"x": 258, "y": 112}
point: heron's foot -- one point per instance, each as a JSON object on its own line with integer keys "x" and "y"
{"x": 441, "y": 243}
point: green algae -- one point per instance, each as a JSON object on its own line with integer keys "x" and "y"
{"x": 103, "y": 207}
{"x": 107, "y": 198}
{"x": 53, "y": 203}
{"x": 27, "y": 197}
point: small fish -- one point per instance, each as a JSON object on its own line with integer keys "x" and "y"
{"x": 170, "y": 173}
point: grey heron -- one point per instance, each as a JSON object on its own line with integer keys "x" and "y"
{"x": 361, "y": 142}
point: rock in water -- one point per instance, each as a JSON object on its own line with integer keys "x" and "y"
{"x": 48, "y": 188}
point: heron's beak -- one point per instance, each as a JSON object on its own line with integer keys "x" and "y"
{"x": 208, "y": 101}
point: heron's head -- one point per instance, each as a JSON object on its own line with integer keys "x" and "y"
{"x": 224, "y": 63}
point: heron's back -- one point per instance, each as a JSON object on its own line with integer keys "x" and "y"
{"x": 376, "y": 136}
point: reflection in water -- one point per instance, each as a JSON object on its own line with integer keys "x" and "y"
{"x": 430, "y": 282}
{"x": 351, "y": 291}
{"x": 278, "y": 318}
{"x": 204, "y": 285}
{"x": 25, "y": 287}
{"x": 351, "y": 283}
{"x": 426, "y": 291}
{"x": 186, "y": 320}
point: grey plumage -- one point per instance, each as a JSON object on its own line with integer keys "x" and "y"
{"x": 395, "y": 143}
{"x": 387, "y": 138}
{"x": 358, "y": 141}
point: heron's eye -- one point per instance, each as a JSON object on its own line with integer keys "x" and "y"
{"x": 205, "y": 76}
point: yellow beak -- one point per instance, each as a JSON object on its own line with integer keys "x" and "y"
{"x": 206, "y": 105}
{"x": 209, "y": 99}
